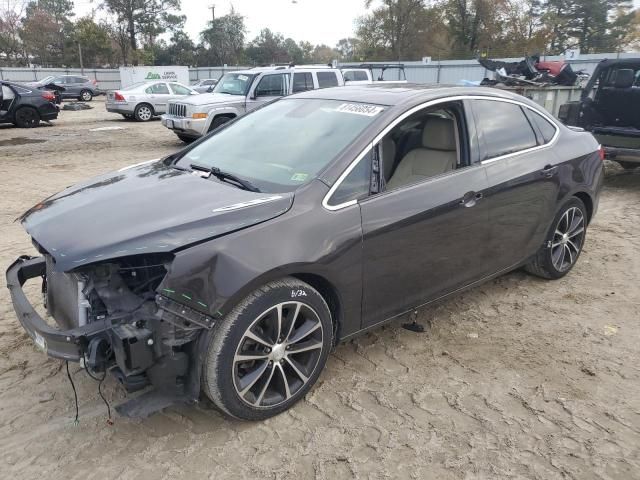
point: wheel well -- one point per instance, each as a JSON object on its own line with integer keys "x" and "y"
{"x": 330, "y": 295}
{"x": 147, "y": 104}
{"x": 588, "y": 203}
{"x": 230, "y": 116}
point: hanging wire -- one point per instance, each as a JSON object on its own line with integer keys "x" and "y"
{"x": 76, "y": 422}
{"x": 100, "y": 380}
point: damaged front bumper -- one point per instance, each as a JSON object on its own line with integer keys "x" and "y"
{"x": 66, "y": 345}
{"x": 161, "y": 347}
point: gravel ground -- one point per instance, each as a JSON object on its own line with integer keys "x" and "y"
{"x": 519, "y": 378}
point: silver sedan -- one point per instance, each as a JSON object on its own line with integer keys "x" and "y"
{"x": 145, "y": 100}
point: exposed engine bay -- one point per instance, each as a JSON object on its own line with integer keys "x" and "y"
{"x": 147, "y": 338}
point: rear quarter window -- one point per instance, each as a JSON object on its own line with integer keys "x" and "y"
{"x": 504, "y": 128}
{"x": 547, "y": 129}
{"x": 327, "y": 79}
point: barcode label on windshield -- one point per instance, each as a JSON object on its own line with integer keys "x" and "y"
{"x": 360, "y": 109}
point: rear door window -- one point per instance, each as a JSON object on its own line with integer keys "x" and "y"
{"x": 158, "y": 89}
{"x": 327, "y": 79}
{"x": 502, "y": 127}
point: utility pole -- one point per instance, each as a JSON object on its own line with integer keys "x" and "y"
{"x": 80, "y": 53}
{"x": 213, "y": 12}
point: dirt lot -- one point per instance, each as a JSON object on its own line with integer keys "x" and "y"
{"x": 520, "y": 378}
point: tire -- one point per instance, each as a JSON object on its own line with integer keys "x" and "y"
{"x": 85, "y": 96}
{"x": 255, "y": 389}
{"x": 217, "y": 122}
{"x": 27, "y": 117}
{"x": 143, "y": 112}
{"x": 629, "y": 165}
{"x": 563, "y": 244}
{"x": 186, "y": 139}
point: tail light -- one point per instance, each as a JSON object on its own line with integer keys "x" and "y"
{"x": 602, "y": 153}
{"x": 95, "y": 82}
{"x": 117, "y": 96}
{"x": 49, "y": 96}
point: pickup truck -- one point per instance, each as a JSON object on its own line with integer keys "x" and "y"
{"x": 609, "y": 108}
{"x": 239, "y": 92}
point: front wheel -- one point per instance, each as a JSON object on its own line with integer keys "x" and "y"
{"x": 268, "y": 351}
{"x": 564, "y": 242}
{"x": 186, "y": 139}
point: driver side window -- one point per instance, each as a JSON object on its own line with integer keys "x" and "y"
{"x": 272, "y": 85}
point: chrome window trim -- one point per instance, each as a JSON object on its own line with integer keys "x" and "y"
{"x": 430, "y": 103}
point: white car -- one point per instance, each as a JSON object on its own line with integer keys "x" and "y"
{"x": 145, "y": 100}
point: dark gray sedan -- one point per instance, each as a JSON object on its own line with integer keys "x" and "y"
{"x": 234, "y": 266}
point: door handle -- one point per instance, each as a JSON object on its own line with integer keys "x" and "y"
{"x": 470, "y": 199}
{"x": 549, "y": 171}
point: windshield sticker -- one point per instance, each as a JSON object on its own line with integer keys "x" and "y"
{"x": 244, "y": 78}
{"x": 360, "y": 109}
{"x": 299, "y": 177}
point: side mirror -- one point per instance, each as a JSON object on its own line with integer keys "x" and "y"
{"x": 210, "y": 89}
{"x": 624, "y": 78}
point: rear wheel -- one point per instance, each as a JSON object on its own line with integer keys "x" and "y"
{"x": 563, "y": 244}
{"x": 27, "y": 117}
{"x": 143, "y": 112}
{"x": 269, "y": 351}
{"x": 86, "y": 95}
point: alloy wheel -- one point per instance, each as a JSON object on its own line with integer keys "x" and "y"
{"x": 86, "y": 96}
{"x": 277, "y": 354}
{"x": 567, "y": 239}
{"x": 144, "y": 113}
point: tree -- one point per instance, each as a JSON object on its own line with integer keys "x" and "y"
{"x": 41, "y": 36}
{"x": 144, "y": 18}
{"x": 399, "y": 29}
{"x": 223, "y": 40}
{"x": 180, "y": 51}
{"x": 11, "y": 47}
{"x": 95, "y": 40}
{"x": 267, "y": 48}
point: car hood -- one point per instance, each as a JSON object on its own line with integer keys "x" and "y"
{"x": 145, "y": 208}
{"x": 211, "y": 99}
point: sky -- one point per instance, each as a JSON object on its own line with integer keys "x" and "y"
{"x": 316, "y": 21}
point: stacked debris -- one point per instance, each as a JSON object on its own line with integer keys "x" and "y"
{"x": 531, "y": 71}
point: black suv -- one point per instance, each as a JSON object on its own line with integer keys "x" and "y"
{"x": 609, "y": 108}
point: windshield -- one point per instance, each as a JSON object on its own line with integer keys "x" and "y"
{"x": 46, "y": 80}
{"x": 234, "y": 84}
{"x": 285, "y": 144}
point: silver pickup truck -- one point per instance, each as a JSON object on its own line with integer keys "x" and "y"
{"x": 240, "y": 92}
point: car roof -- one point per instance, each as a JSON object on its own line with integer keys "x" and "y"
{"x": 301, "y": 68}
{"x": 409, "y": 94}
